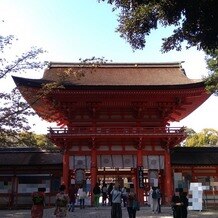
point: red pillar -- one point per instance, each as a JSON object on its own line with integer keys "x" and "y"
{"x": 65, "y": 179}
{"x": 168, "y": 180}
{"x": 139, "y": 191}
{"x": 93, "y": 171}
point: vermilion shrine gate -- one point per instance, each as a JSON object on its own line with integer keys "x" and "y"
{"x": 114, "y": 119}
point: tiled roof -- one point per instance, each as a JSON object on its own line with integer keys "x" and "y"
{"x": 28, "y": 156}
{"x": 119, "y": 74}
{"x": 194, "y": 156}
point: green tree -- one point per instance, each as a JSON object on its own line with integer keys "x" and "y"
{"x": 14, "y": 110}
{"x": 194, "y": 22}
{"x": 207, "y": 137}
{"x": 27, "y": 139}
{"x": 212, "y": 63}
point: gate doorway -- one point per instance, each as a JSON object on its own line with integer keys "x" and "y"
{"x": 126, "y": 177}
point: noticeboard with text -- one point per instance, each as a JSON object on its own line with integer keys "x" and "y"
{"x": 140, "y": 177}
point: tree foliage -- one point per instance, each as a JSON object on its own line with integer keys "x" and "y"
{"x": 207, "y": 137}
{"x": 212, "y": 64}
{"x": 14, "y": 110}
{"x": 26, "y": 139}
{"x": 195, "y": 22}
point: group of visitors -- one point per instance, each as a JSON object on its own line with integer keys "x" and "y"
{"x": 105, "y": 192}
{"x": 116, "y": 195}
{"x": 179, "y": 202}
{"x": 131, "y": 202}
{"x": 63, "y": 201}
{"x": 66, "y": 201}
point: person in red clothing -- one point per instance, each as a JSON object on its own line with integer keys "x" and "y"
{"x": 38, "y": 199}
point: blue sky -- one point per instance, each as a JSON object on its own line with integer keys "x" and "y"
{"x": 73, "y": 29}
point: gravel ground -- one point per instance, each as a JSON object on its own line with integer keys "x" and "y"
{"x": 104, "y": 212}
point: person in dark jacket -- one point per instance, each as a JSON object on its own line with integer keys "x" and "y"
{"x": 72, "y": 196}
{"x": 179, "y": 204}
{"x": 97, "y": 193}
{"x": 131, "y": 198}
{"x": 159, "y": 199}
{"x": 110, "y": 188}
{"x": 184, "y": 200}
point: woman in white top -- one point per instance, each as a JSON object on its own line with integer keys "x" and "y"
{"x": 81, "y": 194}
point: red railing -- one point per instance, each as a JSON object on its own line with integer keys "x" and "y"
{"x": 117, "y": 131}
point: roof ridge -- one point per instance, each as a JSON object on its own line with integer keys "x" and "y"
{"x": 118, "y": 64}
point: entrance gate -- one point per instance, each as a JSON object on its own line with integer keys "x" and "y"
{"x": 129, "y": 177}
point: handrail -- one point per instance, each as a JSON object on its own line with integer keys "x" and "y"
{"x": 117, "y": 131}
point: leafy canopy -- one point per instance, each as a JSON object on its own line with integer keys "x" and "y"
{"x": 14, "y": 110}
{"x": 195, "y": 22}
{"x": 26, "y": 139}
{"x": 207, "y": 137}
{"x": 212, "y": 65}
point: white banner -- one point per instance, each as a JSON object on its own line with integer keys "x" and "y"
{"x": 153, "y": 162}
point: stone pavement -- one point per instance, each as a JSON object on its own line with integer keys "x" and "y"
{"x": 104, "y": 212}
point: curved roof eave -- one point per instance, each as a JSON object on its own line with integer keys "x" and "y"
{"x": 39, "y": 83}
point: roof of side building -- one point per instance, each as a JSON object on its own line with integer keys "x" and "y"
{"x": 28, "y": 157}
{"x": 194, "y": 156}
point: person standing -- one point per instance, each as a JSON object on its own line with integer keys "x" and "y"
{"x": 72, "y": 196}
{"x": 154, "y": 196}
{"x": 179, "y": 204}
{"x": 62, "y": 200}
{"x": 81, "y": 194}
{"x": 97, "y": 193}
{"x": 158, "y": 199}
{"x": 131, "y": 198}
{"x": 104, "y": 194}
{"x": 150, "y": 200}
{"x": 184, "y": 200}
{"x": 116, "y": 210}
{"x": 176, "y": 205}
{"x": 110, "y": 188}
{"x": 38, "y": 199}
{"x": 124, "y": 196}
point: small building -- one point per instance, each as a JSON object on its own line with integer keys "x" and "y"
{"x": 23, "y": 170}
{"x": 199, "y": 165}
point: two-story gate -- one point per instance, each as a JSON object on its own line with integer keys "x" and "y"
{"x": 115, "y": 119}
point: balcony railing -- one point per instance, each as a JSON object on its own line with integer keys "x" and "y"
{"x": 117, "y": 131}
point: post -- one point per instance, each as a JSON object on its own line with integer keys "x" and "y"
{"x": 93, "y": 171}
{"x": 65, "y": 179}
{"x": 168, "y": 184}
{"x": 139, "y": 175}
